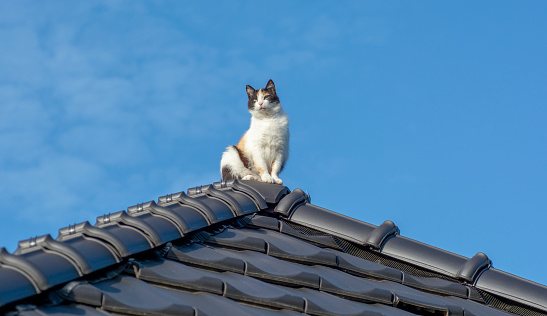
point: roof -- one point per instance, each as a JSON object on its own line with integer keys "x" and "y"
{"x": 250, "y": 248}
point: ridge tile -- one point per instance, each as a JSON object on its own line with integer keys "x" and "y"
{"x": 241, "y": 190}
{"x": 332, "y": 223}
{"x": 133, "y": 238}
{"x": 271, "y": 193}
{"x": 513, "y": 287}
{"x": 15, "y": 285}
{"x": 424, "y": 255}
{"x": 151, "y": 207}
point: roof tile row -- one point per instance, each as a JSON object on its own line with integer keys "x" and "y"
{"x": 383, "y": 238}
{"x": 82, "y": 248}
{"x": 42, "y": 263}
{"x": 475, "y": 271}
{"x": 287, "y": 248}
{"x": 169, "y": 286}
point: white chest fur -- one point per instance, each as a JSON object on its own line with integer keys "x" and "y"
{"x": 268, "y": 137}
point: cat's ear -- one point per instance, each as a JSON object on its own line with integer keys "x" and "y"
{"x": 250, "y": 91}
{"x": 270, "y": 86}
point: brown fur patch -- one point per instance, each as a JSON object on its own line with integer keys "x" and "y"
{"x": 269, "y": 94}
{"x": 226, "y": 173}
{"x": 241, "y": 145}
{"x": 241, "y": 151}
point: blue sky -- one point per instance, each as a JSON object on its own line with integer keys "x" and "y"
{"x": 430, "y": 114}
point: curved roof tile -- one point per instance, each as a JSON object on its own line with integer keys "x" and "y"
{"x": 249, "y": 248}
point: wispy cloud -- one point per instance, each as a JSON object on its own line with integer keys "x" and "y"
{"x": 108, "y": 103}
{"x": 84, "y": 99}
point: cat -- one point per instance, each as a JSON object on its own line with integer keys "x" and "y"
{"x": 263, "y": 150}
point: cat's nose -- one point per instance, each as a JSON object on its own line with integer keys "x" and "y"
{"x": 260, "y": 103}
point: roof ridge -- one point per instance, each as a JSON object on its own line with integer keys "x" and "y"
{"x": 42, "y": 263}
{"x": 385, "y": 239}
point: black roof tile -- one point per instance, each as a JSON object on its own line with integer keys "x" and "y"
{"x": 289, "y": 203}
{"x": 251, "y": 290}
{"x": 206, "y": 256}
{"x": 319, "y": 303}
{"x": 511, "y": 287}
{"x": 274, "y": 244}
{"x": 389, "y": 310}
{"x": 34, "y": 247}
{"x": 379, "y": 235}
{"x": 94, "y": 253}
{"x": 239, "y": 190}
{"x": 408, "y": 297}
{"x": 473, "y": 308}
{"x": 241, "y": 239}
{"x": 87, "y": 232}
{"x": 239, "y": 203}
{"x": 331, "y": 223}
{"x": 44, "y": 266}
{"x": 31, "y": 271}
{"x": 472, "y": 268}
{"x": 249, "y": 263}
{"x": 221, "y": 210}
{"x": 133, "y": 239}
{"x": 280, "y": 226}
{"x": 15, "y": 285}
{"x": 271, "y": 193}
{"x": 129, "y": 295}
{"x": 367, "y": 268}
{"x": 340, "y": 283}
{"x": 211, "y": 216}
{"x": 436, "y": 285}
{"x": 193, "y": 217}
{"x": 155, "y": 229}
{"x": 250, "y": 248}
{"x": 172, "y": 273}
{"x": 208, "y": 304}
{"x": 265, "y": 222}
{"x": 422, "y": 255}
{"x": 63, "y": 310}
{"x": 151, "y": 208}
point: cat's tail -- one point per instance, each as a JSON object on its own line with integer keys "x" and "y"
{"x": 235, "y": 165}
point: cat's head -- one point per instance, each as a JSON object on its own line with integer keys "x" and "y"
{"x": 263, "y": 102}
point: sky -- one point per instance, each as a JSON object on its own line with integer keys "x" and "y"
{"x": 430, "y": 114}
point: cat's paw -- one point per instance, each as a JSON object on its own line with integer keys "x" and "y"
{"x": 267, "y": 178}
{"x": 277, "y": 180}
{"x": 251, "y": 177}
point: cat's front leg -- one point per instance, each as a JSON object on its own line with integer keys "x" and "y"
{"x": 276, "y": 180}
{"x": 265, "y": 176}
{"x": 262, "y": 169}
{"x": 277, "y": 165}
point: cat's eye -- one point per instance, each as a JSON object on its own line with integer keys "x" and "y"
{"x": 254, "y": 100}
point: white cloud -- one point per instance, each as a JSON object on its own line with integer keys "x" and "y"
{"x": 102, "y": 104}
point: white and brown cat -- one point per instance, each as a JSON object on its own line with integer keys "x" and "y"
{"x": 263, "y": 150}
